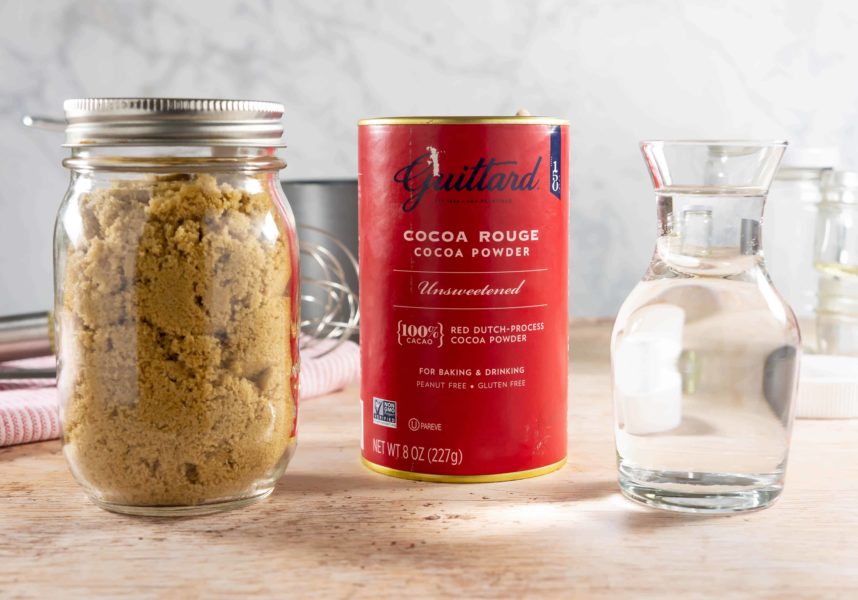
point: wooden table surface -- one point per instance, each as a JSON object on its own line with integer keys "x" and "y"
{"x": 333, "y": 529}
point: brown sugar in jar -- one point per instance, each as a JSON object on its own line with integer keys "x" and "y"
{"x": 177, "y": 315}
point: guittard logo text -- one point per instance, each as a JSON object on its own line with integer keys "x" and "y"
{"x": 489, "y": 175}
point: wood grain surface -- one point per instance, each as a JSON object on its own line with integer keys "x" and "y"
{"x": 333, "y": 529}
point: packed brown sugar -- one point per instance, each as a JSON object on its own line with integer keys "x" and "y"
{"x": 179, "y": 360}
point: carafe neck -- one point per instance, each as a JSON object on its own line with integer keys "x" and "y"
{"x": 710, "y": 232}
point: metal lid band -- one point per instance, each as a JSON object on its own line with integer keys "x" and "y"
{"x": 172, "y": 122}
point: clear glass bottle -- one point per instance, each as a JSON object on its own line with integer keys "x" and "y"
{"x": 836, "y": 260}
{"x": 705, "y": 352}
{"x": 176, "y": 304}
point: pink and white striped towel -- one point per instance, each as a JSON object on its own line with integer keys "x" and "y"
{"x": 29, "y": 408}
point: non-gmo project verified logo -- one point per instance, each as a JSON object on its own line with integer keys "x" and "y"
{"x": 384, "y": 412}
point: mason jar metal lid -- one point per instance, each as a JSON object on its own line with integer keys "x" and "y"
{"x": 172, "y": 122}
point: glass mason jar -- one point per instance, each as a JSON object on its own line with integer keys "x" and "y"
{"x": 176, "y": 304}
{"x": 789, "y": 227}
{"x": 705, "y": 352}
{"x": 836, "y": 260}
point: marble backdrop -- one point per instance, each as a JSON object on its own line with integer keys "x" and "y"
{"x": 620, "y": 70}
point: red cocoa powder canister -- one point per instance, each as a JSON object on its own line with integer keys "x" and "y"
{"x": 463, "y": 296}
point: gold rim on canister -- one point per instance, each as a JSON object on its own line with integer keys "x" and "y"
{"x": 498, "y": 120}
{"x": 431, "y": 477}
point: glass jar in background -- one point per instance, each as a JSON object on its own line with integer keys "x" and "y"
{"x": 176, "y": 304}
{"x": 837, "y": 263}
{"x": 788, "y": 229}
{"x": 705, "y": 352}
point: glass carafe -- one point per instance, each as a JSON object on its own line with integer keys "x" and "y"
{"x": 705, "y": 352}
